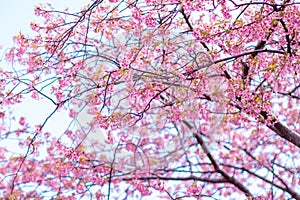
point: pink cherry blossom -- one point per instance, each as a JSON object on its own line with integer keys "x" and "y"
{"x": 162, "y": 99}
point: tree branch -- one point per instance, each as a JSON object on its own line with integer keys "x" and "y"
{"x": 286, "y": 133}
{"x": 229, "y": 179}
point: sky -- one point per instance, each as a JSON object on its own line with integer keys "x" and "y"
{"x": 15, "y": 16}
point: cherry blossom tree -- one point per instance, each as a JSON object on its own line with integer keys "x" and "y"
{"x": 173, "y": 99}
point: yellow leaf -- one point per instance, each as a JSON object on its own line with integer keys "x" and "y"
{"x": 123, "y": 72}
{"x": 150, "y": 86}
{"x": 274, "y": 22}
{"x": 272, "y": 67}
{"x": 281, "y": 14}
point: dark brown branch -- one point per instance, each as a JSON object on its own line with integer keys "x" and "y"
{"x": 186, "y": 18}
{"x": 286, "y": 133}
{"x": 287, "y": 37}
{"x": 111, "y": 171}
{"x": 290, "y": 191}
{"x": 282, "y": 130}
{"x": 229, "y": 179}
{"x": 188, "y": 178}
{"x": 249, "y": 53}
{"x": 278, "y": 128}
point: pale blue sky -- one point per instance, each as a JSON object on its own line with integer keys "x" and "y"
{"x": 16, "y": 15}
